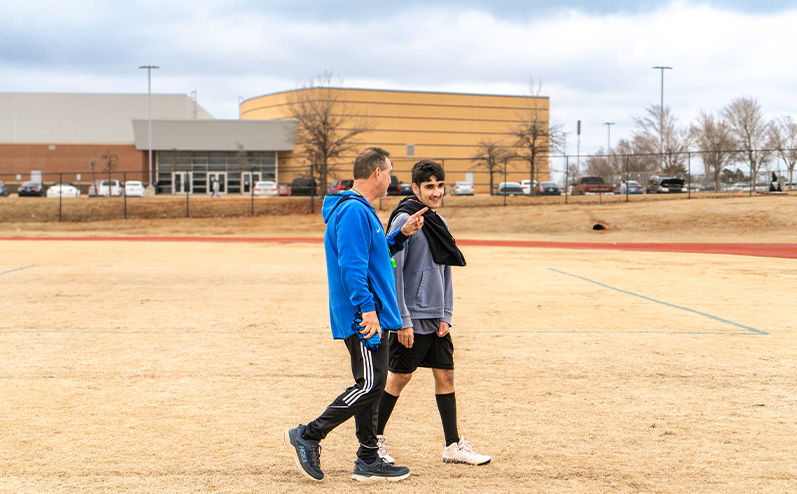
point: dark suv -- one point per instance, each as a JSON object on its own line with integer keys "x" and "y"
{"x": 665, "y": 185}
{"x": 302, "y": 186}
{"x": 395, "y": 186}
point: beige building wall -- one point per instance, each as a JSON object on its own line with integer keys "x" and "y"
{"x": 413, "y": 125}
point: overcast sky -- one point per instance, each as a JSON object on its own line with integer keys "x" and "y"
{"x": 593, "y": 58}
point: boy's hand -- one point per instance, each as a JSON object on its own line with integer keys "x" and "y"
{"x": 414, "y": 223}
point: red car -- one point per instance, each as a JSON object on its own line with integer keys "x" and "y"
{"x": 340, "y": 185}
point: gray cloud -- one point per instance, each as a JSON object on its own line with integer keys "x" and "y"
{"x": 594, "y": 60}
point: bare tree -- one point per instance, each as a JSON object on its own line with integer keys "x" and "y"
{"x": 785, "y": 140}
{"x": 535, "y": 137}
{"x": 637, "y": 156}
{"x": 600, "y": 165}
{"x": 751, "y": 132}
{"x": 712, "y": 135}
{"x": 326, "y": 127}
{"x": 490, "y": 155}
{"x": 674, "y": 138}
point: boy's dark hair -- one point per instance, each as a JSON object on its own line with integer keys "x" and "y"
{"x": 369, "y": 160}
{"x": 424, "y": 170}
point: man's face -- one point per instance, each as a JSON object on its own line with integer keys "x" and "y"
{"x": 383, "y": 176}
{"x": 430, "y": 193}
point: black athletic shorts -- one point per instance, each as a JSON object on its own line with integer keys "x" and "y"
{"x": 428, "y": 350}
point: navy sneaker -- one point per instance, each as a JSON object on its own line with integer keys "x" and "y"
{"x": 305, "y": 452}
{"x": 379, "y": 470}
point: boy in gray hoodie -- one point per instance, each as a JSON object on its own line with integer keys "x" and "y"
{"x": 425, "y": 299}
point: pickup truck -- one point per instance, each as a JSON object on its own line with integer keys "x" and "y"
{"x": 591, "y": 185}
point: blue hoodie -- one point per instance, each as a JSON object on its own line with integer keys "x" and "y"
{"x": 359, "y": 269}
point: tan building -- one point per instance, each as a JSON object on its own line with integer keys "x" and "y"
{"x": 413, "y": 125}
{"x": 50, "y": 137}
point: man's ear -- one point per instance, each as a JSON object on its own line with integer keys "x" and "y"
{"x": 415, "y": 189}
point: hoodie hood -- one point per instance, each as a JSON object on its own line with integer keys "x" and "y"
{"x": 331, "y": 202}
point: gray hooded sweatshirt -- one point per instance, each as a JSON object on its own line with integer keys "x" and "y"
{"x": 423, "y": 287}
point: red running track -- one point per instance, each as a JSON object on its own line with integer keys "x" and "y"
{"x": 787, "y": 251}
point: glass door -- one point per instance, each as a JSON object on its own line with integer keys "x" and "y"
{"x": 182, "y": 183}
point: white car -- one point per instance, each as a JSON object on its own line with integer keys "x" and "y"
{"x": 63, "y": 189}
{"x": 526, "y": 185}
{"x": 462, "y": 189}
{"x": 135, "y": 188}
{"x": 509, "y": 189}
{"x": 267, "y": 188}
{"x": 115, "y": 188}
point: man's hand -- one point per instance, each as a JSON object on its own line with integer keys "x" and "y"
{"x": 370, "y": 324}
{"x": 444, "y": 327}
{"x": 414, "y": 223}
{"x": 406, "y": 337}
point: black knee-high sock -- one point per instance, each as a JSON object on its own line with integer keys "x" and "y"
{"x": 447, "y": 406}
{"x": 386, "y": 405}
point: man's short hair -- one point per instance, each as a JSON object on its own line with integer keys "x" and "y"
{"x": 369, "y": 160}
{"x": 424, "y": 170}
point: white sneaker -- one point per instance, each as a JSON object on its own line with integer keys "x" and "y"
{"x": 461, "y": 452}
{"x": 382, "y": 444}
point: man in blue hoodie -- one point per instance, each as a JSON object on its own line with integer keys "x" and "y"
{"x": 362, "y": 304}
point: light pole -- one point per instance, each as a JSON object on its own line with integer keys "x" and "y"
{"x": 609, "y": 138}
{"x": 662, "y": 68}
{"x": 608, "y": 142}
{"x": 149, "y": 110}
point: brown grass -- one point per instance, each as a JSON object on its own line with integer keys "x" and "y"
{"x": 176, "y": 367}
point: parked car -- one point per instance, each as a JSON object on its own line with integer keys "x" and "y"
{"x": 35, "y": 189}
{"x": 527, "y": 185}
{"x": 509, "y": 189}
{"x": 109, "y": 188}
{"x": 267, "y": 188}
{"x": 462, "y": 189}
{"x": 63, "y": 189}
{"x": 739, "y": 186}
{"x": 405, "y": 189}
{"x": 302, "y": 186}
{"x": 3, "y": 189}
{"x": 284, "y": 191}
{"x": 394, "y": 189}
{"x": 135, "y": 188}
{"x": 340, "y": 185}
{"x": 631, "y": 187}
{"x": 665, "y": 185}
{"x": 591, "y": 185}
{"x": 94, "y": 187}
{"x": 549, "y": 189}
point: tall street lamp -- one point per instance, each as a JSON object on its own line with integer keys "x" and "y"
{"x": 149, "y": 118}
{"x": 609, "y": 137}
{"x": 662, "y": 68}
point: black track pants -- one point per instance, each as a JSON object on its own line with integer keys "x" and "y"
{"x": 361, "y": 401}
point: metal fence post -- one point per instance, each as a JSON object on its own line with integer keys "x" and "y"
{"x": 689, "y": 175}
{"x": 124, "y": 191}
{"x": 60, "y": 193}
{"x": 626, "y": 179}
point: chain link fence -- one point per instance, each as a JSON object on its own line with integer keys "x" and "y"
{"x": 106, "y": 195}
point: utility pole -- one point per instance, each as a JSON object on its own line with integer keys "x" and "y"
{"x": 662, "y": 68}
{"x": 149, "y": 118}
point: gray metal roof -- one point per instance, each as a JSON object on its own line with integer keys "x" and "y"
{"x": 59, "y": 118}
{"x": 217, "y": 135}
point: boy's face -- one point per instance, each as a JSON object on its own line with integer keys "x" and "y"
{"x": 430, "y": 193}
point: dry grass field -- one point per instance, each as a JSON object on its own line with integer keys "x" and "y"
{"x": 174, "y": 366}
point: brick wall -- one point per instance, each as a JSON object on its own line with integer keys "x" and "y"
{"x": 70, "y": 159}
